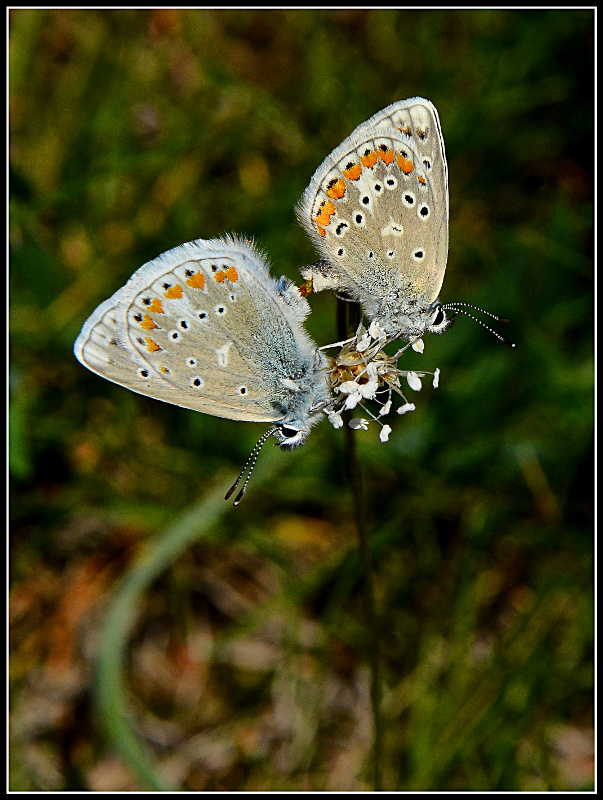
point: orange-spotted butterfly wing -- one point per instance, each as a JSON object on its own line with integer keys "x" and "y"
{"x": 204, "y": 326}
{"x": 377, "y": 212}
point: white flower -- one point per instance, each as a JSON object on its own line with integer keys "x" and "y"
{"x": 414, "y": 381}
{"x": 385, "y": 408}
{"x": 375, "y": 331}
{"x": 436, "y": 378}
{"x": 371, "y": 371}
{"x": 335, "y": 419}
{"x": 352, "y": 400}
{"x": 360, "y": 334}
{"x": 385, "y": 432}
{"x": 363, "y": 343}
{"x": 352, "y": 390}
{"x": 358, "y": 423}
{"x": 369, "y": 389}
{"x": 406, "y": 407}
{"x": 418, "y": 346}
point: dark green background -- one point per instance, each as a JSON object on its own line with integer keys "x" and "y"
{"x": 134, "y": 131}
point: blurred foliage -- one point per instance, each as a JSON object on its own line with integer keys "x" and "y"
{"x": 132, "y": 131}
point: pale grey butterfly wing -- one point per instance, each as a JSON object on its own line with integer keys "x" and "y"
{"x": 377, "y": 212}
{"x": 204, "y": 326}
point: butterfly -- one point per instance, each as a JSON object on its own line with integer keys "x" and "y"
{"x": 205, "y": 326}
{"x": 377, "y": 212}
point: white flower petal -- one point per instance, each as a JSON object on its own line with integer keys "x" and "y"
{"x": 348, "y": 387}
{"x": 418, "y": 346}
{"x": 385, "y": 408}
{"x": 385, "y": 432}
{"x": 369, "y": 390}
{"x": 414, "y": 381}
{"x": 406, "y": 407}
{"x": 364, "y": 343}
{"x": 352, "y": 400}
{"x": 436, "y": 379}
{"x": 374, "y": 330}
{"x": 358, "y": 423}
{"x": 335, "y": 420}
{"x": 371, "y": 371}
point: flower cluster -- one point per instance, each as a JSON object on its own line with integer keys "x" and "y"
{"x": 362, "y": 371}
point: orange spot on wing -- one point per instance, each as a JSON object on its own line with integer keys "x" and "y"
{"x": 336, "y": 189}
{"x": 323, "y": 218}
{"x": 152, "y": 346}
{"x": 156, "y": 306}
{"x": 353, "y": 173}
{"x": 232, "y": 274}
{"x": 369, "y": 159}
{"x": 196, "y": 281}
{"x": 165, "y": 370}
{"x": 387, "y": 156}
{"x": 174, "y": 293}
{"x": 327, "y": 209}
{"x": 421, "y": 179}
{"x": 219, "y": 276}
{"x": 321, "y": 231}
{"x": 147, "y": 323}
{"x": 405, "y": 164}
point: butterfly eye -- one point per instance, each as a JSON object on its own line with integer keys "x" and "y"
{"x": 289, "y": 433}
{"x": 439, "y": 317}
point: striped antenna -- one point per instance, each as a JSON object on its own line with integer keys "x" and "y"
{"x": 253, "y": 457}
{"x": 455, "y": 308}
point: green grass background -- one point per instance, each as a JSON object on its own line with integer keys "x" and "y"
{"x": 246, "y": 660}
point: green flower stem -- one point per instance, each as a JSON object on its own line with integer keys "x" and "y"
{"x": 348, "y": 319}
{"x": 155, "y": 557}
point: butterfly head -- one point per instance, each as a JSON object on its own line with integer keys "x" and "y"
{"x": 290, "y": 435}
{"x": 436, "y": 319}
{"x": 293, "y": 431}
{"x": 410, "y": 320}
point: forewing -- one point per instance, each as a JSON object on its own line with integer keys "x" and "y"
{"x": 377, "y": 207}
{"x": 204, "y": 327}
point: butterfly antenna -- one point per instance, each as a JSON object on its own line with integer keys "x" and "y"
{"x": 253, "y": 457}
{"x": 454, "y": 307}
